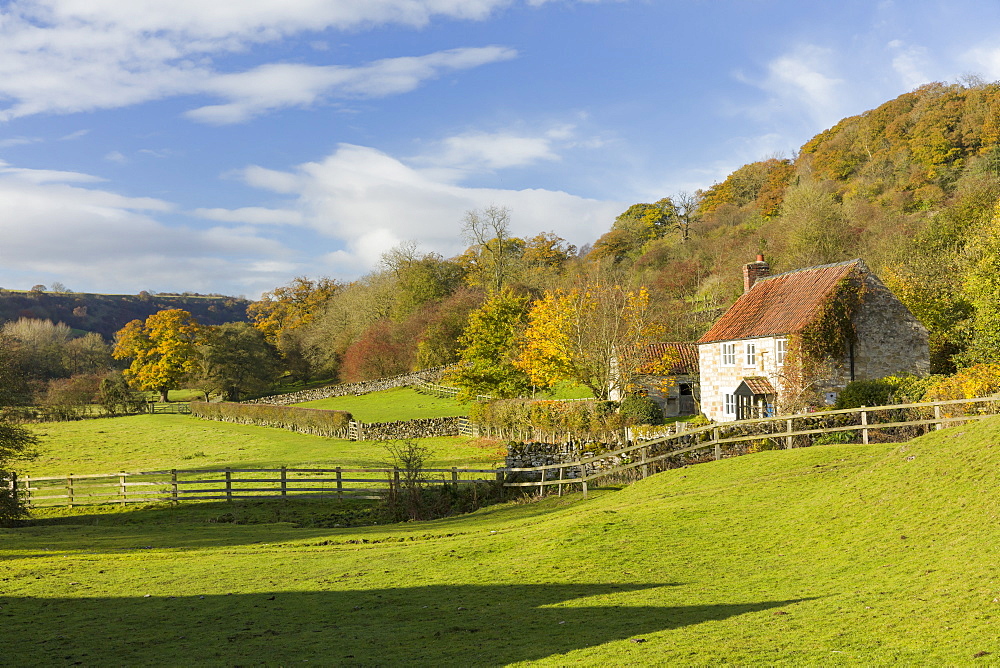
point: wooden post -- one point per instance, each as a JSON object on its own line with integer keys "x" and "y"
{"x": 122, "y": 487}
{"x": 340, "y": 486}
{"x": 864, "y": 423}
{"x": 284, "y": 481}
{"x": 788, "y": 429}
{"x": 69, "y": 489}
{"x": 454, "y": 477}
{"x": 27, "y": 490}
{"x": 645, "y": 467}
{"x": 229, "y": 485}
{"x": 173, "y": 486}
{"x": 395, "y": 480}
{"x": 937, "y": 416}
{"x": 559, "y": 486}
{"x": 13, "y": 484}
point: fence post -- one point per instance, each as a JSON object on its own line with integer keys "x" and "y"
{"x": 718, "y": 446}
{"x": 121, "y": 485}
{"x": 173, "y": 486}
{"x": 559, "y": 486}
{"x": 284, "y": 481}
{"x": 864, "y": 423}
{"x": 937, "y": 416}
{"x": 788, "y": 429}
{"x": 340, "y": 486}
{"x": 645, "y": 467}
{"x": 13, "y": 484}
{"x": 454, "y": 477}
{"x": 394, "y": 485}
{"x": 229, "y": 485}
{"x": 69, "y": 489}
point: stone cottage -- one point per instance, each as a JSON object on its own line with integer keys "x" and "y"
{"x": 754, "y": 361}
{"x": 668, "y": 374}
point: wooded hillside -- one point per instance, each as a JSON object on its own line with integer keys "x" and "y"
{"x": 106, "y": 314}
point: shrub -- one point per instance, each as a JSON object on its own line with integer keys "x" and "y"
{"x": 883, "y": 391}
{"x": 313, "y": 421}
{"x": 641, "y": 410}
{"x": 981, "y": 380}
{"x": 16, "y": 443}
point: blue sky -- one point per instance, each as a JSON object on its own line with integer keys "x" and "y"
{"x": 229, "y": 146}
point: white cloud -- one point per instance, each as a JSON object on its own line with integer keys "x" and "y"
{"x": 64, "y": 56}
{"x": 116, "y": 156}
{"x": 252, "y": 215}
{"x": 910, "y": 63}
{"x": 985, "y": 60}
{"x": 275, "y": 86}
{"x": 370, "y": 201}
{"x": 801, "y": 79}
{"x": 55, "y": 228}
{"x": 482, "y": 150}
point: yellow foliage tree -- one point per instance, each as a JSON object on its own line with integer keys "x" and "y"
{"x": 290, "y": 306}
{"x": 163, "y": 350}
{"x": 593, "y": 336}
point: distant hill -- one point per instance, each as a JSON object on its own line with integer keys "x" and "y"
{"x": 106, "y": 314}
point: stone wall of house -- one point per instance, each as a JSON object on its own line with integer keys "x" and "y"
{"x": 891, "y": 341}
{"x": 344, "y": 389}
{"x": 718, "y": 379}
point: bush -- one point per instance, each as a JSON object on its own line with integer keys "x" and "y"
{"x": 883, "y": 391}
{"x": 16, "y": 443}
{"x": 981, "y": 380}
{"x": 313, "y": 421}
{"x": 641, "y": 410}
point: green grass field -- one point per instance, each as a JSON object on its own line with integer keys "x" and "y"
{"x": 832, "y": 555}
{"x": 157, "y": 442}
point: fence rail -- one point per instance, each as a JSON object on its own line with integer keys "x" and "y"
{"x": 862, "y": 425}
{"x": 639, "y": 459}
{"x": 229, "y": 484}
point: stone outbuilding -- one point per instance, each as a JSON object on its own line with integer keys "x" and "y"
{"x": 668, "y": 374}
{"x": 752, "y": 362}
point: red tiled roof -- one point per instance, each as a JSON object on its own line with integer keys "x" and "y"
{"x": 685, "y": 356}
{"x": 781, "y": 304}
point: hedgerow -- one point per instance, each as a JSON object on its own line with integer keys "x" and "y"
{"x": 332, "y": 424}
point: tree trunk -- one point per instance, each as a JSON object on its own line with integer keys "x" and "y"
{"x": 163, "y": 395}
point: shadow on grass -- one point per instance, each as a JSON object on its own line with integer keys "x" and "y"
{"x": 431, "y": 625}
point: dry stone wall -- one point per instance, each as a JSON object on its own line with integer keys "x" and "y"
{"x": 422, "y": 428}
{"x": 344, "y": 389}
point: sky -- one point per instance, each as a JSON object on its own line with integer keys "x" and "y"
{"x": 232, "y": 145}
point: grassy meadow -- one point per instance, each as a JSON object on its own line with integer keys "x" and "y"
{"x": 834, "y": 555}
{"x": 157, "y": 442}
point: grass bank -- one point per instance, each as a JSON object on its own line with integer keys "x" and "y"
{"x": 833, "y": 555}
{"x": 155, "y": 442}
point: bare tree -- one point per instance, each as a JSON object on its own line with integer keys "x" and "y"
{"x": 489, "y": 229}
{"x": 685, "y": 212}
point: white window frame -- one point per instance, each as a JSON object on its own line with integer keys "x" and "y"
{"x": 728, "y": 354}
{"x": 751, "y": 355}
{"x": 729, "y": 404}
{"x": 780, "y": 351}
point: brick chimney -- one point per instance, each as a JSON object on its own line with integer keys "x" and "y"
{"x": 754, "y": 271}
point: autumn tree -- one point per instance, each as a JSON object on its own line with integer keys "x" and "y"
{"x": 290, "y": 306}
{"x": 237, "y": 360}
{"x": 488, "y": 347}
{"x": 634, "y": 228}
{"x": 594, "y": 336}
{"x": 163, "y": 349}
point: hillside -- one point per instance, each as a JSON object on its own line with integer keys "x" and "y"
{"x": 831, "y": 555}
{"x": 106, "y": 314}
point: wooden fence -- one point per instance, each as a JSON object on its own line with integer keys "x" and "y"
{"x": 230, "y": 484}
{"x": 716, "y": 441}
{"x": 637, "y": 460}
